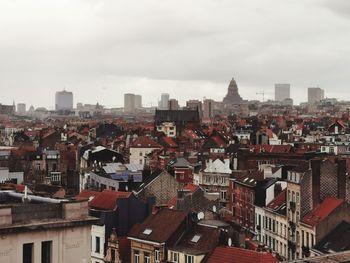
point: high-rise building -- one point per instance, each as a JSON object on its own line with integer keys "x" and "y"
{"x": 282, "y": 92}
{"x": 129, "y": 102}
{"x": 138, "y": 101}
{"x": 173, "y": 104}
{"x": 208, "y": 108}
{"x": 21, "y": 109}
{"x": 64, "y": 100}
{"x": 315, "y": 95}
{"x": 164, "y": 100}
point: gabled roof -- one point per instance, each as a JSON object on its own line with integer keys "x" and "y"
{"x": 107, "y": 200}
{"x": 144, "y": 142}
{"x": 180, "y": 162}
{"x": 159, "y": 227}
{"x": 239, "y": 255}
{"x": 322, "y": 211}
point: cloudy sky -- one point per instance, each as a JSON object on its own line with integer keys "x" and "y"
{"x": 100, "y": 49}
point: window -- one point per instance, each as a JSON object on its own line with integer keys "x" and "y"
{"x": 136, "y": 256}
{"x": 140, "y": 153}
{"x": 113, "y": 255}
{"x": 189, "y": 259}
{"x": 46, "y": 248}
{"x": 55, "y": 176}
{"x": 223, "y": 195}
{"x": 28, "y": 253}
{"x": 97, "y": 244}
{"x": 157, "y": 255}
{"x": 175, "y": 257}
{"x": 146, "y": 258}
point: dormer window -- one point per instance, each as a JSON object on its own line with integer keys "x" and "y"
{"x": 147, "y": 231}
{"x": 195, "y": 238}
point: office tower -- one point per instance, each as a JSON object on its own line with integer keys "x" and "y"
{"x": 129, "y": 102}
{"x": 64, "y": 100}
{"x": 21, "y": 109}
{"x": 208, "y": 108}
{"x": 173, "y": 104}
{"x": 138, "y": 101}
{"x": 164, "y": 100}
{"x": 282, "y": 92}
{"x": 315, "y": 95}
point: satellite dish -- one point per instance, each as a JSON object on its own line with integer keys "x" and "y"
{"x": 214, "y": 208}
{"x": 229, "y": 242}
{"x": 126, "y": 188}
{"x": 200, "y": 216}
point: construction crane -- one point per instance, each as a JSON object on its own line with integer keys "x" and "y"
{"x": 263, "y": 95}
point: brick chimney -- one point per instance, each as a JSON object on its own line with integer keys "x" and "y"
{"x": 316, "y": 181}
{"x": 341, "y": 178}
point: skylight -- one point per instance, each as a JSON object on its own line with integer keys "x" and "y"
{"x": 147, "y": 231}
{"x": 195, "y": 238}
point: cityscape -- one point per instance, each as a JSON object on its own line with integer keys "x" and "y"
{"x": 163, "y": 131}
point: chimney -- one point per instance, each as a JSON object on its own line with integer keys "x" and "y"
{"x": 316, "y": 181}
{"x": 341, "y": 178}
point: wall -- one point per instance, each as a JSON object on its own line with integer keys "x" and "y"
{"x": 68, "y": 245}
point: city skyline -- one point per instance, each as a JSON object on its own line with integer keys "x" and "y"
{"x": 102, "y": 49}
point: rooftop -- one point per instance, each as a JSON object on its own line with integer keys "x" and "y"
{"x": 322, "y": 211}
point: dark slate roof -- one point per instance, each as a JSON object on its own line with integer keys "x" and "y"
{"x": 176, "y": 116}
{"x": 179, "y": 162}
{"x": 208, "y": 240}
{"x": 336, "y": 241}
{"x": 162, "y": 226}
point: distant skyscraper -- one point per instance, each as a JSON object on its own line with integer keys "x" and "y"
{"x": 64, "y": 100}
{"x": 173, "y": 104}
{"x": 129, "y": 102}
{"x": 282, "y": 92}
{"x": 315, "y": 95}
{"x": 208, "y": 108}
{"x": 21, "y": 109}
{"x": 164, "y": 100}
{"x": 138, "y": 101}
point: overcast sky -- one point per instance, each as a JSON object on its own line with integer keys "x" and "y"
{"x": 101, "y": 49}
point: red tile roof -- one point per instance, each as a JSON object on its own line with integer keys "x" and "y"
{"x": 278, "y": 201}
{"x": 86, "y": 194}
{"x": 322, "y": 211}
{"x": 107, "y": 200}
{"x": 239, "y": 255}
{"x": 169, "y": 141}
{"x": 144, "y": 142}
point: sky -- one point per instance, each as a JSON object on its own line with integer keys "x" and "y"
{"x": 101, "y": 49}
